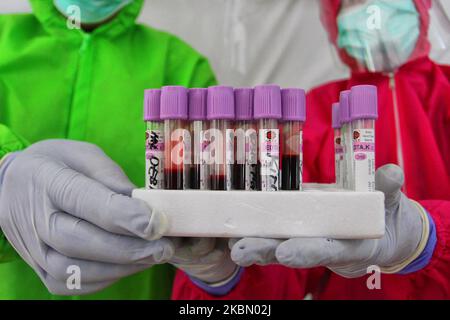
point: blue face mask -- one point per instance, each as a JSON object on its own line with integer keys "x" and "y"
{"x": 91, "y": 11}
{"x": 381, "y": 44}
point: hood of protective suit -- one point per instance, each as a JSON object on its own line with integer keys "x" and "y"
{"x": 330, "y": 10}
{"x": 54, "y": 22}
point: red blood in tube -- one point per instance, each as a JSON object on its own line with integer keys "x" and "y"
{"x": 173, "y": 179}
{"x": 217, "y": 183}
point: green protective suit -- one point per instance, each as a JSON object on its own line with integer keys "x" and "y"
{"x": 57, "y": 82}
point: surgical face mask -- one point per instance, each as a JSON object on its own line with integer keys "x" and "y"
{"x": 379, "y": 34}
{"x": 91, "y": 11}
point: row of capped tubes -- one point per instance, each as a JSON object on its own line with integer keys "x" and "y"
{"x": 222, "y": 138}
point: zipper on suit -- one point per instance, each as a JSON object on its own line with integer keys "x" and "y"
{"x": 81, "y": 90}
{"x": 398, "y": 132}
{"x": 85, "y": 42}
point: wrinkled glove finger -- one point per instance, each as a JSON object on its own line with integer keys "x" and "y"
{"x": 80, "y": 239}
{"x": 232, "y": 242}
{"x": 389, "y": 179}
{"x": 213, "y": 267}
{"x": 88, "y": 159}
{"x": 194, "y": 245}
{"x": 312, "y": 252}
{"x": 61, "y": 267}
{"x": 89, "y": 200}
{"x": 248, "y": 251}
{"x": 201, "y": 246}
{"x": 218, "y": 253}
{"x": 213, "y": 257}
{"x": 192, "y": 248}
{"x": 191, "y": 251}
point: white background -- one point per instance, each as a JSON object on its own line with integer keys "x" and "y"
{"x": 249, "y": 41}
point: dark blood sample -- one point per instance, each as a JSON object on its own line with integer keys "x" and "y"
{"x": 220, "y": 112}
{"x": 217, "y": 183}
{"x": 239, "y": 176}
{"x": 177, "y": 138}
{"x": 173, "y": 179}
{"x": 246, "y": 141}
{"x": 294, "y": 115}
{"x": 194, "y": 177}
{"x": 197, "y": 115}
{"x": 258, "y": 176}
{"x": 290, "y": 174}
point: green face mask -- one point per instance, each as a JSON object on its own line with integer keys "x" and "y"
{"x": 383, "y": 46}
{"x": 91, "y": 11}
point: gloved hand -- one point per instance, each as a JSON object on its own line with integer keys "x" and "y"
{"x": 405, "y": 237}
{"x": 204, "y": 259}
{"x": 65, "y": 203}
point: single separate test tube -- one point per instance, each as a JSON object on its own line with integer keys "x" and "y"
{"x": 363, "y": 109}
{"x": 154, "y": 140}
{"x": 294, "y": 115}
{"x": 174, "y": 112}
{"x": 246, "y": 175}
{"x": 346, "y": 134}
{"x": 220, "y": 113}
{"x": 267, "y": 110}
{"x": 197, "y": 115}
{"x": 338, "y": 150}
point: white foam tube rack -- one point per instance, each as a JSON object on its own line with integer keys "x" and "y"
{"x": 319, "y": 210}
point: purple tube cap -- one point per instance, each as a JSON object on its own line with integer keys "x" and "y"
{"x": 293, "y": 101}
{"x": 344, "y": 102}
{"x": 174, "y": 103}
{"x": 335, "y": 116}
{"x": 152, "y": 99}
{"x": 220, "y": 103}
{"x": 267, "y": 102}
{"x": 364, "y": 102}
{"x": 243, "y": 99}
{"x": 197, "y": 103}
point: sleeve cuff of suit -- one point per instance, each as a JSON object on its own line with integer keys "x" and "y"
{"x": 223, "y": 287}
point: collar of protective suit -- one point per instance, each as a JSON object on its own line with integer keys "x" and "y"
{"x": 55, "y": 23}
{"x": 330, "y": 10}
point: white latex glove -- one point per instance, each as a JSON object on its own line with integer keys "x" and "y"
{"x": 405, "y": 237}
{"x": 65, "y": 203}
{"x": 205, "y": 259}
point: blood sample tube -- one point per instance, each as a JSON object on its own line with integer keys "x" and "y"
{"x": 267, "y": 111}
{"x": 363, "y": 109}
{"x": 338, "y": 150}
{"x": 174, "y": 112}
{"x": 246, "y": 175}
{"x": 220, "y": 113}
{"x": 294, "y": 115}
{"x": 346, "y": 134}
{"x": 154, "y": 140}
{"x": 197, "y": 115}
